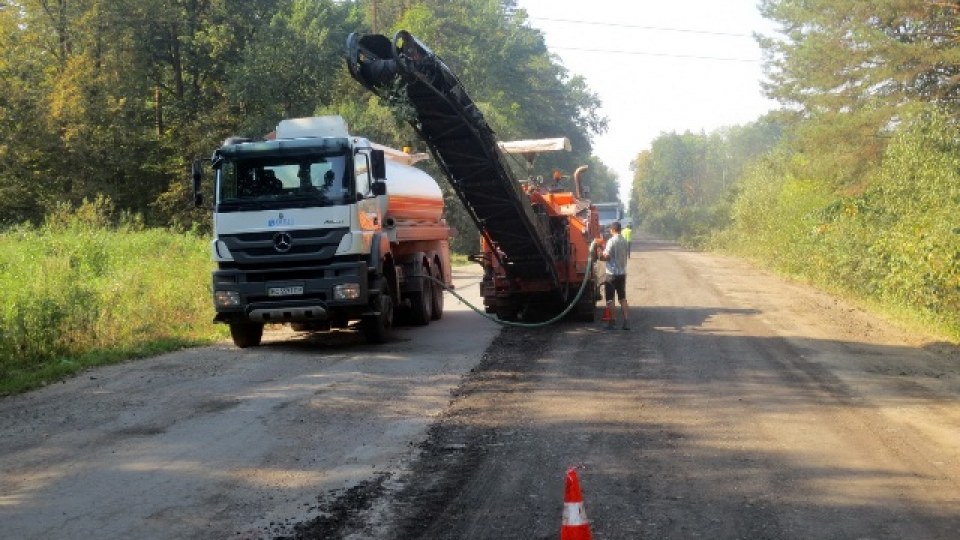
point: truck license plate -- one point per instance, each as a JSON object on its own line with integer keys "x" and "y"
{"x": 285, "y": 291}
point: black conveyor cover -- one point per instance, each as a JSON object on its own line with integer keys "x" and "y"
{"x": 406, "y": 71}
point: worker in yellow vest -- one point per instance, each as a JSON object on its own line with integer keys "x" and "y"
{"x": 628, "y": 236}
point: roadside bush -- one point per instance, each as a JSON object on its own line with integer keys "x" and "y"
{"x": 907, "y": 221}
{"x": 897, "y": 242}
{"x": 775, "y": 216}
{"x": 88, "y": 285}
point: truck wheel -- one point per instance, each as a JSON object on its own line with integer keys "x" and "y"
{"x": 246, "y": 334}
{"x": 376, "y": 328}
{"x": 437, "y": 310}
{"x": 421, "y": 304}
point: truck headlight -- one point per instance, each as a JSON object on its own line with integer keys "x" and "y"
{"x": 225, "y": 299}
{"x": 346, "y": 291}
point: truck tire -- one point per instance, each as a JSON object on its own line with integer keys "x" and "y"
{"x": 437, "y": 310}
{"x": 421, "y": 304}
{"x": 376, "y": 328}
{"x": 246, "y": 334}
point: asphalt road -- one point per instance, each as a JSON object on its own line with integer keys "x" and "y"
{"x": 739, "y": 405}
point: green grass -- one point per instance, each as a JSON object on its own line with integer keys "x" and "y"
{"x": 78, "y": 294}
{"x": 457, "y": 259}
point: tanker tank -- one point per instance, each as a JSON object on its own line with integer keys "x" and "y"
{"x": 412, "y": 195}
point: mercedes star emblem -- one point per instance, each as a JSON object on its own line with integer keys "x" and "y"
{"x": 282, "y": 242}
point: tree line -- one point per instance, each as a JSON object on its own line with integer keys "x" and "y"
{"x": 114, "y": 98}
{"x": 855, "y": 182}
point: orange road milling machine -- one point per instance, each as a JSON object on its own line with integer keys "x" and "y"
{"x": 535, "y": 238}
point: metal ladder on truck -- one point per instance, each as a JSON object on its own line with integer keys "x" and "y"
{"x": 406, "y": 72}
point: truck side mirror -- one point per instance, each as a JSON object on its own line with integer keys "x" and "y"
{"x": 378, "y": 188}
{"x": 196, "y": 172}
{"x": 378, "y": 166}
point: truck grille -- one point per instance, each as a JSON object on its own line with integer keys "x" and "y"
{"x": 275, "y": 246}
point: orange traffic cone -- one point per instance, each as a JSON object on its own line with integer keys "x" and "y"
{"x": 607, "y": 314}
{"x": 575, "y": 525}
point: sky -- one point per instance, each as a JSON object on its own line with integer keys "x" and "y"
{"x": 658, "y": 66}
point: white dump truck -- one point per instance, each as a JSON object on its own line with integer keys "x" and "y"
{"x": 321, "y": 229}
{"x": 609, "y": 212}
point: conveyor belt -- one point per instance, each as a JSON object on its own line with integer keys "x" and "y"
{"x": 409, "y": 74}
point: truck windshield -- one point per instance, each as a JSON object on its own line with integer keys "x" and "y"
{"x": 608, "y": 213}
{"x": 266, "y": 183}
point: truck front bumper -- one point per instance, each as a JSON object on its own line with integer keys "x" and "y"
{"x": 303, "y": 294}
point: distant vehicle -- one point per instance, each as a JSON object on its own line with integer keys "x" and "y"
{"x": 608, "y": 212}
